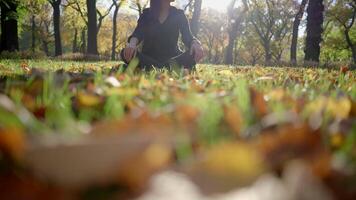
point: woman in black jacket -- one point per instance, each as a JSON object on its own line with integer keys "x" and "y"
{"x": 158, "y": 28}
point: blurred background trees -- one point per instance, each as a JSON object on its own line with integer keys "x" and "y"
{"x": 247, "y": 32}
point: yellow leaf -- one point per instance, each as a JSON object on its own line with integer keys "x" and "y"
{"x": 234, "y": 159}
{"x": 338, "y": 108}
{"x": 123, "y": 91}
{"x": 226, "y": 72}
{"x": 277, "y": 94}
{"x": 88, "y": 100}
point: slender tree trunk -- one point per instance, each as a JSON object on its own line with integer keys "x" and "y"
{"x": 45, "y": 47}
{"x": 234, "y": 29}
{"x": 229, "y": 49}
{"x": 235, "y": 51}
{"x": 45, "y": 41}
{"x": 83, "y": 45}
{"x": 196, "y": 17}
{"x": 114, "y": 33}
{"x": 33, "y": 29}
{"x": 210, "y": 54}
{"x": 254, "y": 60}
{"x": 297, "y": 19}
{"x": 9, "y": 28}
{"x": 100, "y": 22}
{"x": 92, "y": 28}
{"x": 315, "y": 21}
{"x": 268, "y": 54}
{"x": 75, "y": 41}
{"x": 350, "y": 44}
{"x": 56, "y": 24}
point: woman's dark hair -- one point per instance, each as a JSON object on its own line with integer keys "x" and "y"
{"x": 155, "y": 8}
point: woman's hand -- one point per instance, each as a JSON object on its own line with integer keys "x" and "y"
{"x": 130, "y": 50}
{"x": 196, "y": 50}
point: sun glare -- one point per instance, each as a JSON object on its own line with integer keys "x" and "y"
{"x": 220, "y": 5}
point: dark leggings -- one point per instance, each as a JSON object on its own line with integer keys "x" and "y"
{"x": 146, "y": 62}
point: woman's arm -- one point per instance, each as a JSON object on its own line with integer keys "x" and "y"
{"x": 136, "y": 38}
{"x": 138, "y": 34}
{"x": 187, "y": 35}
{"x": 192, "y": 43}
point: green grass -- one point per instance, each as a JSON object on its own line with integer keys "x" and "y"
{"x": 14, "y": 67}
{"x": 213, "y": 105}
{"x": 208, "y": 89}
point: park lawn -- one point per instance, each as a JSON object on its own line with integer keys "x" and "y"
{"x": 19, "y": 66}
{"x": 219, "y": 113}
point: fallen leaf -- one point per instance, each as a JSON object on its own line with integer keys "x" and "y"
{"x": 12, "y": 142}
{"x": 226, "y": 166}
{"x": 233, "y": 119}
{"x": 258, "y": 103}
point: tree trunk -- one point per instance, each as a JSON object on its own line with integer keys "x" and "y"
{"x": 297, "y": 19}
{"x": 351, "y": 45}
{"x": 114, "y": 33}
{"x": 33, "y": 29}
{"x": 45, "y": 47}
{"x": 75, "y": 41}
{"x": 196, "y": 17}
{"x": 315, "y": 21}
{"x": 234, "y": 29}
{"x": 9, "y": 27}
{"x": 44, "y": 39}
{"x": 56, "y": 27}
{"x": 210, "y": 54}
{"x": 83, "y": 45}
{"x": 92, "y": 28}
{"x": 268, "y": 54}
{"x": 229, "y": 49}
{"x": 254, "y": 61}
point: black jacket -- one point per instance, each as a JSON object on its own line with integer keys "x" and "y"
{"x": 160, "y": 41}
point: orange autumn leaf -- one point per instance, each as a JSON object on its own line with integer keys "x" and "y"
{"x": 233, "y": 119}
{"x": 25, "y": 68}
{"x": 291, "y": 141}
{"x": 344, "y": 69}
{"x": 138, "y": 122}
{"x": 258, "y": 103}
{"x": 12, "y": 142}
{"x": 186, "y": 114}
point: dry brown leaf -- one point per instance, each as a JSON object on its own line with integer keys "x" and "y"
{"x": 137, "y": 122}
{"x": 258, "y": 103}
{"x": 84, "y": 161}
{"x": 186, "y": 114}
{"x": 295, "y": 141}
{"x": 233, "y": 119}
{"x": 15, "y": 186}
{"x": 12, "y": 142}
{"x": 353, "y": 109}
{"x": 25, "y": 68}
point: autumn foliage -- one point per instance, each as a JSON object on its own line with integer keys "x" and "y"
{"x": 103, "y": 133}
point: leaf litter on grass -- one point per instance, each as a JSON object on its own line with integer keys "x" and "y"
{"x": 218, "y": 133}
